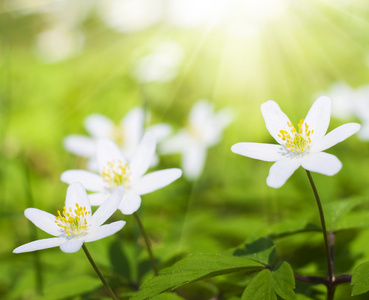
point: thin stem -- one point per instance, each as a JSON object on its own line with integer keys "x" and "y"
{"x": 111, "y": 293}
{"x": 148, "y": 244}
{"x": 330, "y": 286}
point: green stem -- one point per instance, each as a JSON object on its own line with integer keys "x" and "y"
{"x": 148, "y": 244}
{"x": 330, "y": 285}
{"x": 111, "y": 293}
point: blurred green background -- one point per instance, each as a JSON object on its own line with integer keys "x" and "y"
{"x": 50, "y": 82}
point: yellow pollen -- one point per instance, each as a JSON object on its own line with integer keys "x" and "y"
{"x": 299, "y": 140}
{"x": 73, "y": 224}
{"x": 116, "y": 173}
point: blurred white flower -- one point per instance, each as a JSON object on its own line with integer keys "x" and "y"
{"x": 130, "y": 15}
{"x": 161, "y": 65}
{"x": 301, "y": 146}
{"x": 127, "y": 135}
{"x": 204, "y": 130}
{"x": 349, "y": 102}
{"x": 115, "y": 170}
{"x": 75, "y": 225}
{"x": 59, "y": 43}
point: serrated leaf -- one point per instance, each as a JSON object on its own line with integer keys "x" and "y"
{"x": 260, "y": 287}
{"x": 360, "y": 279}
{"x": 268, "y": 284}
{"x": 261, "y": 250}
{"x": 192, "y": 268}
{"x": 284, "y": 281}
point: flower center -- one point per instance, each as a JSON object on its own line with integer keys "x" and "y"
{"x": 297, "y": 141}
{"x": 73, "y": 222}
{"x": 116, "y": 174}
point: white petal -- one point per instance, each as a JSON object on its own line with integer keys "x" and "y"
{"x": 130, "y": 203}
{"x": 156, "y": 180}
{"x": 193, "y": 161}
{"x": 39, "y": 244}
{"x": 106, "y": 209}
{"x": 175, "y": 144}
{"x": 201, "y": 112}
{"x": 161, "y": 131}
{"x": 265, "y": 152}
{"x": 96, "y": 199}
{"x": 90, "y": 181}
{"x": 281, "y": 171}
{"x": 143, "y": 156}
{"x": 76, "y": 194}
{"x": 132, "y": 125}
{"x": 318, "y": 118}
{"x": 104, "y": 231}
{"x": 275, "y": 119}
{"x": 71, "y": 246}
{"x": 321, "y": 162}
{"x": 80, "y": 145}
{"x": 336, "y": 136}
{"x": 42, "y": 220}
{"x": 99, "y": 126}
{"x": 364, "y": 132}
{"x": 108, "y": 151}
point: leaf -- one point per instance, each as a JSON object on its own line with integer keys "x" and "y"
{"x": 336, "y": 210}
{"x": 260, "y": 287}
{"x": 268, "y": 284}
{"x": 192, "y": 268}
{"x": 284, "y": 281}
{"x": 261, "y": 250}
{"x": 360, "y": 279}
{"x": 167, "y": 296}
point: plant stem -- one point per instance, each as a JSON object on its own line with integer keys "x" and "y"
{"x": 148, "y": 244}
{"x": 330, "y": 286}
{"x": 111, "y": 293}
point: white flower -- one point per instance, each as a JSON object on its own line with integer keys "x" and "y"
{"x": 116, "y": 171}
{"x": 301, "y": 146}
{"x": 203, "y": 131}
{"x": 130, "y": 15}
{"x": 161, "y": 65}
{"x": 75, "y": 225}
{"x": 126, "y": 135}
{"x": 349, "y": 102}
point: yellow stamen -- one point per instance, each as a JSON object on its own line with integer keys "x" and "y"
{"x": 116, "y": 173}
{"x": 73, "y": 224}
{"x": 297, "y": 141}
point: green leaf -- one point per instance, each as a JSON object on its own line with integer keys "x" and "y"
{"x": 261, "y": 250}
{"x": 192, "y": 268}
{"x": 268, "y": 284}
{"x": 167, "y": 296}
{"x": 336, "y": 210}
{"x": 360, "y": 279}
{"x": 260, "y": 287}
{"x": 284, "y": 281}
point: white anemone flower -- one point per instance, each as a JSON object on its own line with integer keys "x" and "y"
{"x": 127, "y": 135}
{"x": 116, "y": 171}
{"x": 204, "y": 130}
{"x": 75, "y": 225}
{"x": 301, "y": 146}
